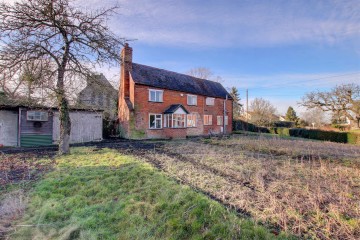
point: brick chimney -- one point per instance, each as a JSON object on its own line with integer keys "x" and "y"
{"x": 126, "y": 67}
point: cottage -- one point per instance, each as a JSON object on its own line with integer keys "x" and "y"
{"x": 99, "y": 94}
{"x": 40, "y": 126}
{"x": 156, "y": 103}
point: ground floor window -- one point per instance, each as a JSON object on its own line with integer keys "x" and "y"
{"x": 219, "y": 120}
{"x": 207, "y": 119}
{"x": 175, "y": 120}
{"x": 191, "y": 120}
{"x": 155, "y": 121}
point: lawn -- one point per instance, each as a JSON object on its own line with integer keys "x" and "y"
{"x": 102, "y": 194}
{"x": 307, "y": 188}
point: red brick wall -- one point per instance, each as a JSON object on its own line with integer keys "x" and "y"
{"x": 125, "y": 91}
{"x": 143, "y": 107}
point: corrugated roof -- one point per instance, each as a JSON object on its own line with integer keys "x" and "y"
{"x": 165, "y": 79}
{"x": 172, "y": 108}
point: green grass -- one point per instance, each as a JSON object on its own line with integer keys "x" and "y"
{"x": 105, "y": 195}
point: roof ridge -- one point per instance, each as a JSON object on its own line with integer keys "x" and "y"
{"x": 178, "y": 73}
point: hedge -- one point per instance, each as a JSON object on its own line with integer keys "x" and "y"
{"x": 340, "y": 137}
{"x": 245, "y": 126}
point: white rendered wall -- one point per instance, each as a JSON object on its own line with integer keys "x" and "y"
{"x": 8, "y": 128}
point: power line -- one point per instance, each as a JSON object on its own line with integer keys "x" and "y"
{"x": 306, "y": 80}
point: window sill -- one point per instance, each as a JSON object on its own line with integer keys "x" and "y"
{"x": 155, "y": 101}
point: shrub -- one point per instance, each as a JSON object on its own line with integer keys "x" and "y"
{"x": 283, "y": 131}
{"x": 245, "y": 126}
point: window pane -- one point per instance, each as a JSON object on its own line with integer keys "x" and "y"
{"x": 191, "y": 120}
{"x": 152, "y": 121}
{"x": 158, "y": 123}
{"x": 152, "y": 95}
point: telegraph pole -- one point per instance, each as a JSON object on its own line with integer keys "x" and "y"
{"x": 247, "y": 104}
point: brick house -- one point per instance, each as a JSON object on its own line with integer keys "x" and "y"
{"x": 156, "y": 103}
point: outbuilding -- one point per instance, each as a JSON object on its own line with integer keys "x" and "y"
{"x": 26, "y": 126}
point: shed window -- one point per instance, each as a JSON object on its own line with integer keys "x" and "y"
{"x": 155, "y": 95}
{"x": 207, "y": 119}
{"x": 155, "y": 121}
{"x": 37, "y": 116}
{"x": 192, "y": 100}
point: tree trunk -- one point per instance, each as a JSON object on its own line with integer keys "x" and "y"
{"x": 64, "y": 115}
{"x": 65, "y": 125}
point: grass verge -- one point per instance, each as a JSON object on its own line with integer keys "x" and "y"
{"x": 100, "y": 194}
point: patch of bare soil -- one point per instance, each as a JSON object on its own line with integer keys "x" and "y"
{"x": 12, "y": 207}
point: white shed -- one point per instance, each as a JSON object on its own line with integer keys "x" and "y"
{"x": 86, "y": 126}
{"x": 9, "y": 127}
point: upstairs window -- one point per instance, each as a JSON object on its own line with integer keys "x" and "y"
{"x": 155, "y": 121}
{"x": 207, "y": 119}
{"x": 210, "y": 101}
{"x": 37, "y": 116}
{"x": 155, "y": 95}
{"x": 192, "y": 100}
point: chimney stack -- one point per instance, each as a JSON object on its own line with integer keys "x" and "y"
{"x": 126, "y": 68}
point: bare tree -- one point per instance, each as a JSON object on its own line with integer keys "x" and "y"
{"x": 204, "y": 73}
{"x": 343, "y": 100}
{"x": 262, "y": 112}
{"x": 315, "y": 117}
{"x": 73, "y": 40}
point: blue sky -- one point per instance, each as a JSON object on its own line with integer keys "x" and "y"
{"x": 278, "y": 49}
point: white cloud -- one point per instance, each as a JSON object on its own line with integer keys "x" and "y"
{"x": 234, "y": 23}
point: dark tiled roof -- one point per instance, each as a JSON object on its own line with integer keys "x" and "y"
{"x": 160, "y": 78}
{"x": 173, "y": 108}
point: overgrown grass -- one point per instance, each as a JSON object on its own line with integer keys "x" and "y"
{"x": 100, "y": 194}
{"x": 307, "y": 188}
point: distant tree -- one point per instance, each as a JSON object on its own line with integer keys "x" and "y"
{"x": 262, "y": 112}
{"x": 314, "y": 117}
{"x": 237, "y": 107}
{"x": 291, "y": 115}
{"x": 342, "y": 100}
{"x": 72, "y": 40}
{"x": 204, "y": 73}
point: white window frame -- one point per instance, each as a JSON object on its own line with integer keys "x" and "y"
{"x": 156, "y": 91}
{"x": 210, "y": 101}
{"x": 226, "y": 120}
{"x": 190, "y": 103}
{"x": 156, "y": 118}
{"x": 209, "y": 120}
{"x": 192, "y": 121}
{"x": 38, "y": 116}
